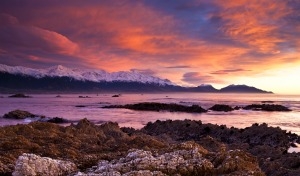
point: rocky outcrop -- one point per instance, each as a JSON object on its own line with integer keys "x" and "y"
{"x": 230, "y": 150}
{"x": 149, "y": 106}
{"x": 266, "y": 107}
{"x": 160, "y": 107}
{"x": 185, "y": 159}
{"x": 221, "y": 107}
{"x": 31, "y": 164}
{"x": 268, "y": 144}
{"x": 84, "y": 144}
{"x": 18, "y": 114}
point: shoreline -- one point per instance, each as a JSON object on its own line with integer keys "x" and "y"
{"x": 85, "y": 143}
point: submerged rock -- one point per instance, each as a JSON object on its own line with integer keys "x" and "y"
{"x": 18, "y": 114}
{"x": 31, "y": 164}
{"x": 266, "y": 107}
{"x": 221, "y": 107}
{"x": 80, "y": 106}
{"x": 160, "y": 107}
{"x": 19, "y": 95}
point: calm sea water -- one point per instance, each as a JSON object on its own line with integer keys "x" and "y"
{"x": 65, "y": 106}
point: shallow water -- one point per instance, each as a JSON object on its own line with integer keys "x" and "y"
{"x": 65, "y": 106}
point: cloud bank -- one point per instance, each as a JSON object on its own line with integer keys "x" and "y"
{"x": 174, "y": 38}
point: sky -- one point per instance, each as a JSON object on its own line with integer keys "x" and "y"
{"x": 189, "y": 42}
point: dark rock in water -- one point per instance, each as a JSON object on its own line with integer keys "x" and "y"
{"x": 266, "y": 107}
{"x": 293, "y": 145}
{"x": 267, "y": 101}
{"x": 80, "y": 106}
{"x": 221, "y": 107}
{"x": 19, "y": 95}
{"x": 18, "y": 114}
{"x": 57, "y": 120}
{"x": 237, "y": 108}
{"x": 58, "y": 96}
{"x": 116, "y": 95}
{"x": 83, "y": 96}
{"x": 160, "y": 107}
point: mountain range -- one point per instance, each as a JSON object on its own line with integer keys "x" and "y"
{"x": 60, "y": 78}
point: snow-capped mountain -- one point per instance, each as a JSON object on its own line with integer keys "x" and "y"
{"x": 85, "y": 74}
{"x": 60, "y": 78}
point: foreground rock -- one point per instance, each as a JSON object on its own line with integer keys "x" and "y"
{"x": 19, "y": 95}
{"x": 84, "y": 144}
{"x": 221, "y": 107}
{"x": 231, "y": 151}
{"x": 160, "y": 107}
{"x": 31, "y": 164}
{"x": 268, "y": 144}
{"x": 187, "y": 158}
{"x": 266, "y": 107}
{"x": 18, "y": 114}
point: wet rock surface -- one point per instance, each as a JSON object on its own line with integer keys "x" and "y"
{"x": 18, "y": 114}
{"x": 31, "y": 164}
{"x": 266, "y": 107}
{"x": 160, "y": 107}
{"x": 149, "y": 106}
{"x": 221, "y": 150}
{"x": 221, "y": 107}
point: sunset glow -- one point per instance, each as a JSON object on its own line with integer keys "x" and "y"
{"x": 189, "y": 42}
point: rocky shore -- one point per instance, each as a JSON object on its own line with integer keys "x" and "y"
{"x": 161, "y": 148}
{"x": 20, "y": 114}
{"x": 153, "y": 106}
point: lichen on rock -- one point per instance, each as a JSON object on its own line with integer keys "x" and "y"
{"x": 31, "y": 164}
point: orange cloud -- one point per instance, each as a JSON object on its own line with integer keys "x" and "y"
{"x": 254, "y": 23}
{"x": 205, "y": 37}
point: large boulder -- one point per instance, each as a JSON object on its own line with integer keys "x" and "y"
{"x": 31, "y": 164}
{"x": 18, "y": 114}
{"x": 186, "y": 158}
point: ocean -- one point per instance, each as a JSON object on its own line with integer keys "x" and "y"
{"x": 91, "y": 108}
